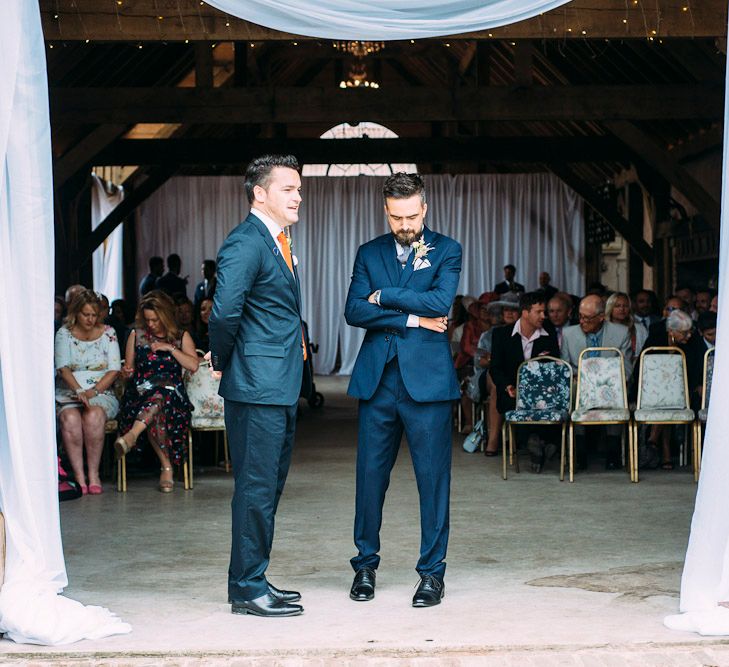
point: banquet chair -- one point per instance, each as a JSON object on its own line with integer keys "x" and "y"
{"x": 601, "y": 399}
{"x": 663, "y": 395}
{"x": 703, "y": 413}
{"x": 543, "y": 398}
{"x": 208, "y": 414}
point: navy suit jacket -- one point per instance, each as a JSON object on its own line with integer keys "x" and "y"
{"x": 255, "y": 325}
{"x": 424, "y": 356}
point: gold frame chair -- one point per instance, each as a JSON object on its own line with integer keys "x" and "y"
{"x": 121, "y": 474}
{"x": 508, "y": 426}
{"x": 692, "y": 430}
{"x": 697, "y": 425}
{"x": 627, "y": 423}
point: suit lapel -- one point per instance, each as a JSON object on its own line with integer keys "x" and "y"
{"x": 268, "y": 240}
{"x": 389, "y": 259}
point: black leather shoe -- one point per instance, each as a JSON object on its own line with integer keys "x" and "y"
{"x": 363, "y": 586}
{"x": 281, "y": 596}
{"x": 431, "y": 591}
{"x": 266, "y": 605}
{"x": 284, "y": 596}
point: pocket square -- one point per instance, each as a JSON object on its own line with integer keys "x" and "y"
{"x": 422, "y": 263}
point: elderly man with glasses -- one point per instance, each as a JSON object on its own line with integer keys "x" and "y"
{"x": 594, "y": 331}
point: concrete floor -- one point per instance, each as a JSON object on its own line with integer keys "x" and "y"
{"x": 539, "y": 572}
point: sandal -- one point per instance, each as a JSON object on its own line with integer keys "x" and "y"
{"x": 122, "y": 447}
{"x": 166, "y": 485}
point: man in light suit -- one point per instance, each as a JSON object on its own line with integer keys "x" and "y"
{"x": 402, "y": 287}
{"x": 256, "y": 341}
{"x": 594, "y": 331}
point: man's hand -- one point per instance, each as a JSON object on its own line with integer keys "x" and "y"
{"x": 216, "y": 375}
{"x": 437, "y": 324}
{"x": 511, "y": 390}
{"x": 371, "y": 298}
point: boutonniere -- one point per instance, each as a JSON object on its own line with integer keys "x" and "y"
{"x": 421, "y": 250}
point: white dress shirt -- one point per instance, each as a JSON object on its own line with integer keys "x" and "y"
{"x": 273, "y": 227}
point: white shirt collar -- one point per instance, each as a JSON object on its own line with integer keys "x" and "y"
{"x": 273, "y": 227}
{"x": 537, "y": 334}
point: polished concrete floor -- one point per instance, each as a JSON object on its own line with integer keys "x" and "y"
{"x": 535, "y": 567}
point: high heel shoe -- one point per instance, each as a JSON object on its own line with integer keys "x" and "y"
{"x": 166, "y": 485}
{"x": 122, "y": 447}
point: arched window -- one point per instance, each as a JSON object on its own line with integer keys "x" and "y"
{"x": 360, "y": 131}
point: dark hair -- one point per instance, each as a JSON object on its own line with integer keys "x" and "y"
{"x": 510, "y": 266}
{"x": 529, "y": 299}
{"x": 156, "y": 262}
{"x": 259, "y": 171}
{"x": 403, "y": 186}
{"x": 174, "y": 262}
{"x": 164, "y": 306}
{"x": 681, "y": 287}
{"x": 707, "y": 320}
{"x": 210, "y": 264}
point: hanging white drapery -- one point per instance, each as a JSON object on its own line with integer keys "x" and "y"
{"x": 31, "y": 610}
{"x": 108, "y": 257}
{"x": 705, "y": 580}
{"x": 383, "y": 19}
{"x": 531, "y": 220}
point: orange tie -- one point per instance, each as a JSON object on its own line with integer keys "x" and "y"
{"x": 286, "y": 252}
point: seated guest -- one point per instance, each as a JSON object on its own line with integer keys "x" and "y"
{"x": 511, "y": 345}
{"x": 618, "y": 309}
{"x": 104, "y": 308}
{"x": 544, "y": 286}
{"x": 645, "y": 307}
{"x": 594, "y": 331}
{"x": 509, "y": 284}
{"x": 156, "y": 269}
{"x": 673, "y": 303}
{"x": 170, "y": 282}
{"x": 703, "y": 300}
{"x": 155, "y": 402}
{"x": 87, "y": 364}
{"x": 678, "y": 332}
{"x": 184, "y": 313}
{"x": 201, "y": 336}
{"x": 559, "y": 312}
{"x": 457, "y": 322}
{"x": 464, "y": 360}
{"x": 714, "y": 304}
{"x": 689, "y": 296}
{"x": 206, "y": 288}
{"x": 707, "y": 328}
{"x": 59, "y": 312}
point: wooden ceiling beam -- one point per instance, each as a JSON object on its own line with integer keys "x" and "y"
{"x": 525, "y": 149}
{"x": 138, "y": 20}
{"x": 312, "y": 104}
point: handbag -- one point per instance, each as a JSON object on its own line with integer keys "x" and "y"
{"x": 473, "y": 440}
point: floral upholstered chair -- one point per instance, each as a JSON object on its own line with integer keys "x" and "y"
{"x": 663, "y": 396}
{"x": 208, "y": 415}
{"x": 602, "y": 397}
{"x": 543, "y": 397}
{"x": 703, "y": 413}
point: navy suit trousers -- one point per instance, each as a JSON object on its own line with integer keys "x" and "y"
{"x": 427, "y": 426}
{"x": 261, "y": 439}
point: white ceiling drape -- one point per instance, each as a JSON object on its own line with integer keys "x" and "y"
{"x": 383, "y": 19}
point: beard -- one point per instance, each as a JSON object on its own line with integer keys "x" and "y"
{"x": 407, "y": 238}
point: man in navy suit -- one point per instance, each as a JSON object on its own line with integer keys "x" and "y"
{"x": 256, "y": 341}
{"x": 402, "y": 286}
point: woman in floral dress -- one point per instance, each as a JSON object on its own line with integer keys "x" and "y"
{"x": 155, "y": 401}
{"x": 87, "y": 364}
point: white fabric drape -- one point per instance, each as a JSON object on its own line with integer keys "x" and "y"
{"x": 531, "y": 220}
{"x": 107, "y": 258}
{"x": 383, "y": 19}
{"x": 705, "y": 580}
{"x": 30, "y": 608}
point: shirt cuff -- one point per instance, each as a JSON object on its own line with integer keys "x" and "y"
{"x": 377, "y": 296}
{"x": 413, "y": 321}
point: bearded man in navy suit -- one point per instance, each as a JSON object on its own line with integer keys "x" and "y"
{"x": 402, "y": 287}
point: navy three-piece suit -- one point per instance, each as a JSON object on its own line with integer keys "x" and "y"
{"x": 405, "y": 380}
{"x": 255, "y": 340}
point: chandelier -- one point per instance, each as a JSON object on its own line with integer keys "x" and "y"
{"x": 357, "y": 78}
{"x": 359, "y": 49}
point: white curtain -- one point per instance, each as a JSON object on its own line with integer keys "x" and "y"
{"x": 531, "y": 220}
{"x": 383, "y": 19}
{"x": 705, "y": 581}
{"x": 30, "y": 608}
{"x": 107, "y": 258}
